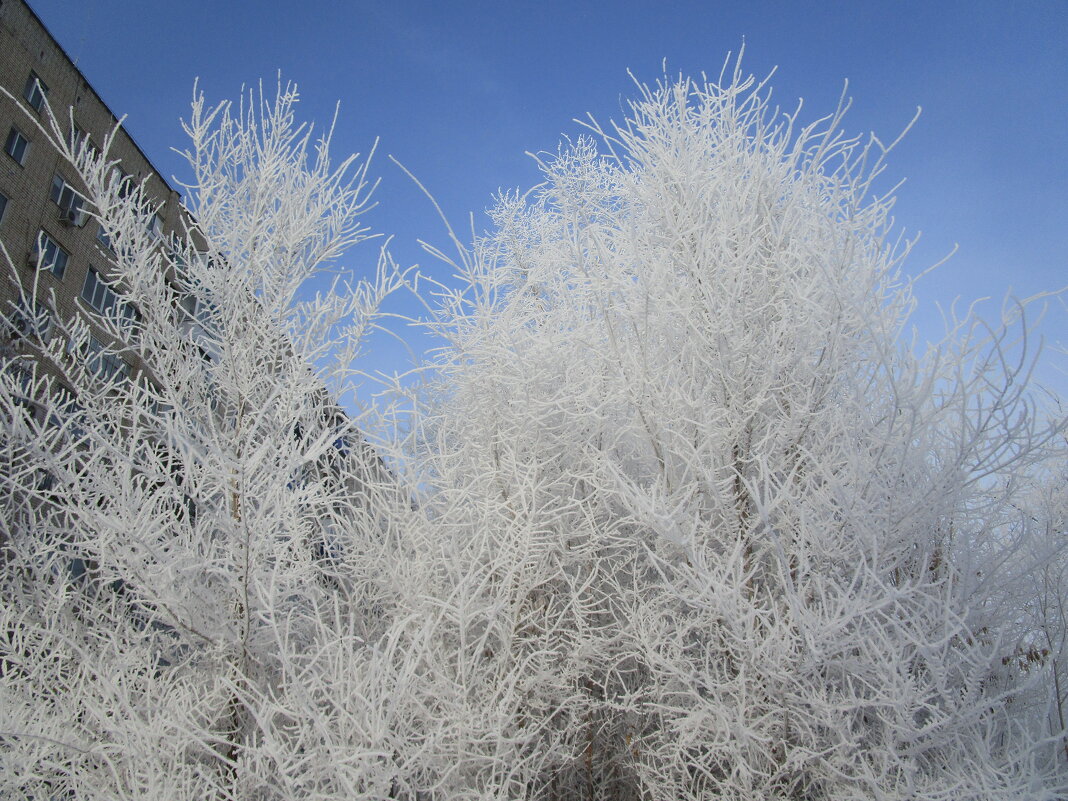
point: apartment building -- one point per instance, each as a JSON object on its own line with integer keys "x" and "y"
{"x": 44, "y": 225}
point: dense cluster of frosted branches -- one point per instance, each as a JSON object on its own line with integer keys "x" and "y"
{"x": 686, "y": 517}
{"x": 733, "y": 538}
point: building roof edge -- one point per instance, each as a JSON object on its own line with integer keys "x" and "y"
{"x": 91, "y": 88}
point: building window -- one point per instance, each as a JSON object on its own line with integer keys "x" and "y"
{"x": 79, "y": 139}
{"x": 98, "y": 294}
{"x": 105, "y": 366}
{"x": 35, "y": 92}
{"x": 103, "y": 238}
{"x": 107, "y": 301}
{"x": 81, "y": 143}
{"x": 69, "y": 201}
{"x": 182, "y": 256}
{"x": 122, "y": 182}
{"x": 155, "y": 405}
{"x": 155, "y": 226}
{"x": 198, "y": 310}
{"x": 76, "y": 135}
{"x": 50, "y": 256}
{"x": 200, "y": 325}
{"x": 17, "y": 146}
{"x": 3, "y": 205}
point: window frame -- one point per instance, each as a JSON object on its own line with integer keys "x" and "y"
{"x": 154, "y": 225}
{"x": 103, "y": 239}
{"x": 97, "y": 293}
{"x": 35, "y": 93}
{"x": 41, "y": 249}
{"x": 198, "y": 310}
{"x": 121, "y": 180}
{"x": 104, "y": 365}
{"x": 79, "y": 139}
{"x": 70, "y": 201}
{"x": 11, "y": 145}
{"x": 108, "y": 302}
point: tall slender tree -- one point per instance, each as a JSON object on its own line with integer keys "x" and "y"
{"x": 189, "y": 556}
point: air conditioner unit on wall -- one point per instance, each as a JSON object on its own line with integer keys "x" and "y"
{"x": 35, "y": 322}
{"x": 73, "y": 217}
{"x": 20, "y": 326}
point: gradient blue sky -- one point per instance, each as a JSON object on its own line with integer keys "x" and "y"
{"x": 458, "y": 91}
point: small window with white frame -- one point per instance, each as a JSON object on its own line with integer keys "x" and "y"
{"x": 36, "y": 91}
{"x": 49, "y": 255}
{"x": 97, "y": 293}
{"x": 3, "y": 206}
{"x": 200, "y": 325}
{"x": 68, "y": 414}
{"x": 17, "y": 146}
{"x": 69, "y": 200}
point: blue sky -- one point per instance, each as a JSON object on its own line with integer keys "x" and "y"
{"x": 458, "y": 92}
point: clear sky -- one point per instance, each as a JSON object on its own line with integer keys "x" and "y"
{"x": 459, "y": 90}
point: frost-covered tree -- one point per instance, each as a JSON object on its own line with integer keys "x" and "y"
{"x": 189, "y": 557}
{"x": 1036, "y": 597}
{"x": 700, "y": 523}
{"x": 689, "y": 518}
